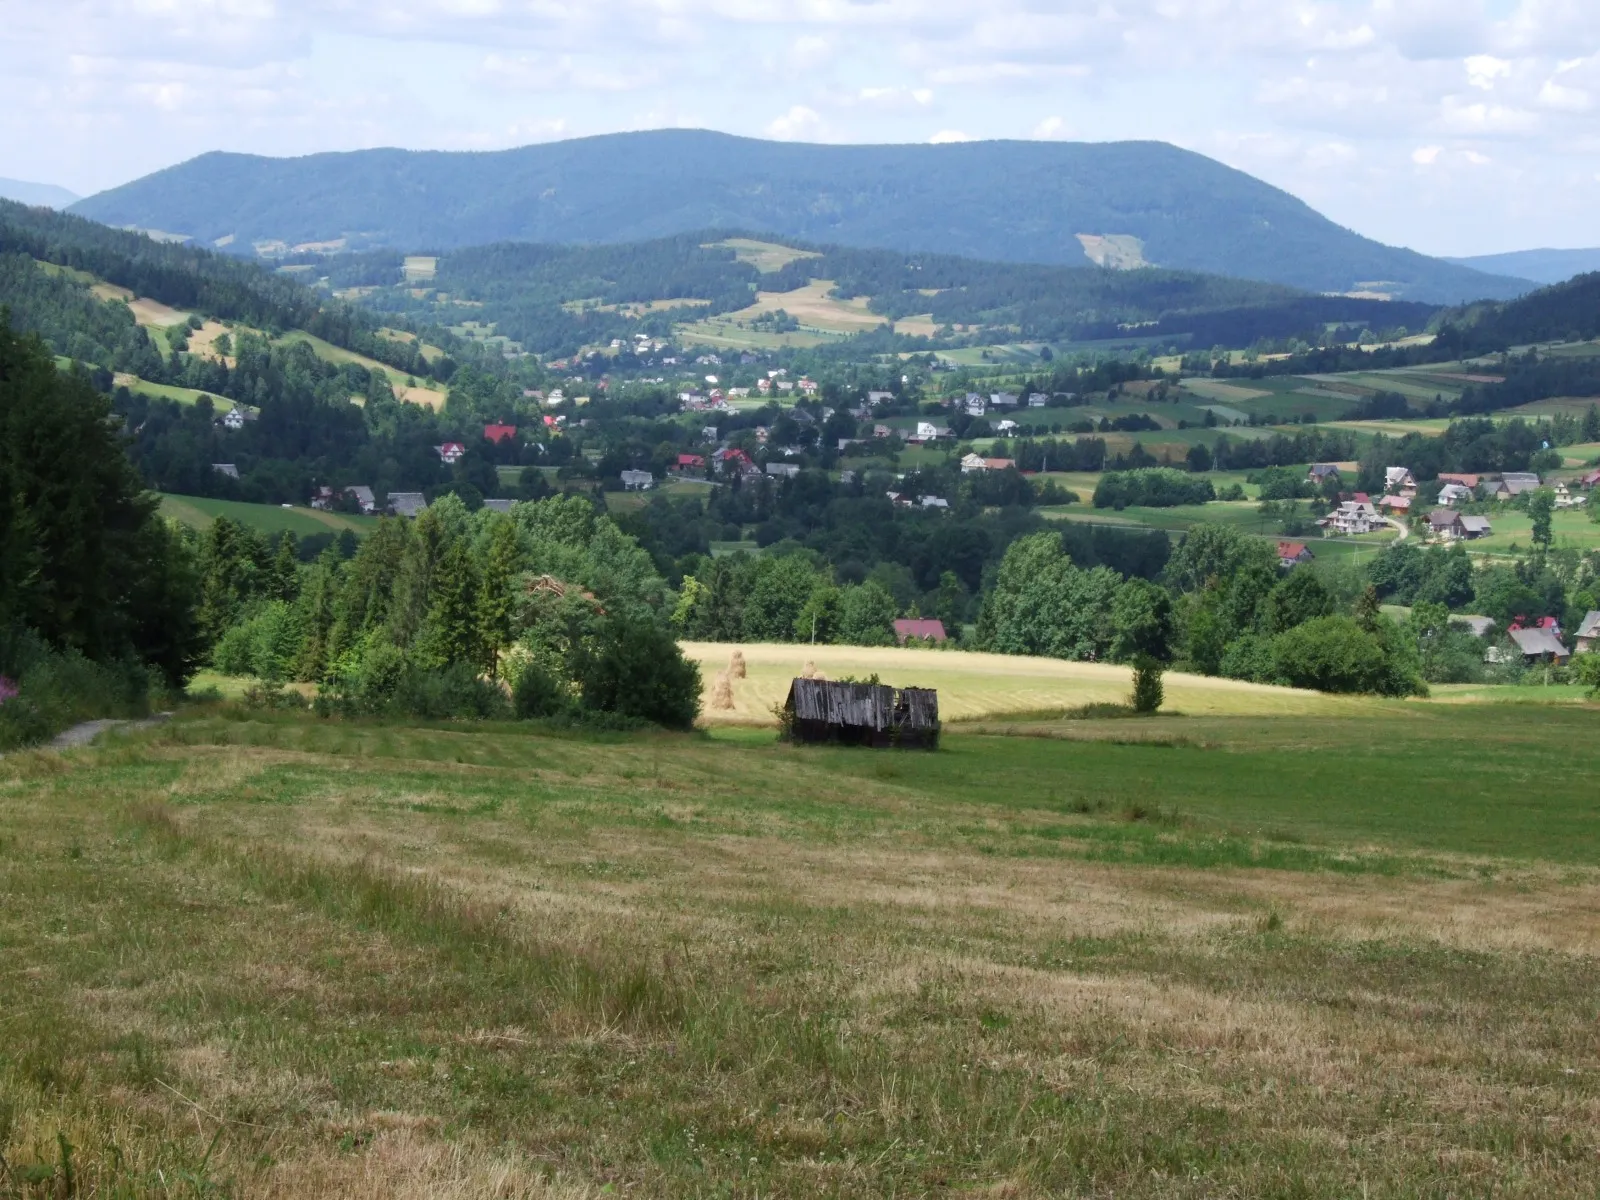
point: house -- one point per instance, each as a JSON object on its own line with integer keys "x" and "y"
{"x": 807, "y": 386}
{"x": 970, "y": 463}
{"x": 731, "y": 460}
{"x": 783, "y": 470}
{"x": 499, "y": 433}
{"x": 1513, "y": 484}
{"x": 1565, "y": 498}
{"x": 861, "y": 714}
{"x": 236, "y": 417}
{"x": 407, "y": 504}
{"x": 1292, "y": 554}
{"x": 928, "y": 432}
{"x": 1470, "y": 482}
{"x": 1037, "y": 400}
{"x": 1003, "y": 400}
{"x": 499, "y": 506}
{"x": 1445, "y": 523}
{"x": 1322, "y": 472}
{"x": 921, "y": 629}
{"x": 764, "y": 386}
{"x": 1454, "y": 493}
{"x": 228, "y": 469}
{"x": 1540, "y": 645}
{"x": 1590, "y": 480}
{"x": 1006, "y": 426}
{"x": 882, "y": 431}
{"x": 365, "y": 500}
{"x": 322, "y": 499}
{"x": 638, "y": 481}
{"x": 1398, "y": 479}
{"x": 975, "y": 405}
{"x": 880, "y": 397}
{"x": 450, "y": 453}
{"x": 691, "y": 462}
{"x": 1473, "y": 528}
{"x": 1354, "y": 516}
{"x": 934, "y": 502}
{"x": 1477, "y": 626}
{"x": 899, "y": 499}
{"x": 1400, "y": 505}
{"x": 1588, "y": 637}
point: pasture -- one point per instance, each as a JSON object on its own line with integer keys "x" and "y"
{"x": 270, "y": 956}
{"x": 1571, "y": 529}
{"x": 201, "y": 513}
{"x": 766, "y": 257}
{"x": 427, "y": 393}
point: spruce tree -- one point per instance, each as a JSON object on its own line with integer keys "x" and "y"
{"x": 450, "y": 635}
{"x": 495, "y": 600}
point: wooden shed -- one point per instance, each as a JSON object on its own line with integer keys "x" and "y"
{"x": 861, "y": 714}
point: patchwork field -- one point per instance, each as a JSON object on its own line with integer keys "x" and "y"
{"x": 201, "y": 513}
{"x": 765, "y": 257}
{"x": 427, "y": 393}
{"x": 1204, "y": 956}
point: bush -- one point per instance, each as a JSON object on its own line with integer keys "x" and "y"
{"x": 1336, "y": 654}
{"x": 1152, "y": 487}
{"x": 537, "y": 693}
{"x": 1586, "y": 670}
{"x": 46, "y": 690}
{"x": 453, "y": 692}
{"x": 1148, "y": 692}
{"x": 638, "y": 671}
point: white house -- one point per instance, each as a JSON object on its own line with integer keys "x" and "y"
{"x": 1354, "y": 516}
{"x": 1038, "y": 400}
{"x": 450, "y": 453}
{"x": 975, "y": 405}
{"x": 783, "y": 470}
{"x": 638, "y": 481}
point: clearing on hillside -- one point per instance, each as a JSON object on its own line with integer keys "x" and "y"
{"x": 145, "y": 311}
{"x": 1117, "y": 251}
{"x": 198, "y": 512}
{"x": 420, "y": 268}
{"x": 765, "y": 257}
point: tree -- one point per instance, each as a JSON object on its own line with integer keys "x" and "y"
{"x": 1540, "y": 505}
{"x": 866, "y": 615}
{"x": 283, "y": 581}
{"x": 1298, "y": 599}
{"x": 638, "y": 671}
{"x": 495, "y": 602}
{"x": 1591, "y": 424}
{"x": 450, "y": 636}
{"x": 1338, "y": 654}
{"x": 1214, "y": 552}
{"x": 1141, "y": 620}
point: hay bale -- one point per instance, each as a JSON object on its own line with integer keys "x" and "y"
{"x": 736, "y": 668}
{"x": 811, "y": 672}
{"x": 722, "y": 693}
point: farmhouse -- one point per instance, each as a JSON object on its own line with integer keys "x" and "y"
{"x": 1003, "y": 400}
{"x": 1470, "y": 482}
{"x": 691, "y": 462}
{"x": 974, "y": 462}
{"x": 1399, "y": 505}
{"x": 1398, "y": 480}
{"x": 880, "y": 397}
{"x": 731, "y": 460}
{"x": 927, "y": 432}
{"x": 1353, "y": 516}
{"x": 1037, "y": 400}
{"x": 1565, "y": 498}
{"x": 407, "y": 504}
{"x": 783, "y": 470}
{"x": 1590, "y": 480}
{"x": 1454, "y": 493}
{"x": 1322, "y": 472}
{"x": 1292, "y": 554}
{"x": 1540, "y": 645}
{"x": 861, "y": 714}
{"x": 236, "y": 417}
{"x": 499, "y": 433}
{"x": 638, "y": 481}
{"x": 1513, "y": 484}
{"x": 1443, "y": 523}
{"x": 450, "y": 453}
{"x": 365, "y": 500}
{"x": 921, "y": 629}
{"x": 934, "y": 502}
{"x": 975, "y": 405}
{"x": 228, "y": 469}
{"x": 1588, "y": 638}
{"x": 1475, "y": 527}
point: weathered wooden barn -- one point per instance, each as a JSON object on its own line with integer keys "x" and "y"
{"x": 861, "y": 714}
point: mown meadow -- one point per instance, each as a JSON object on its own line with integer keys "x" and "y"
{"x": 1350, "y": 953}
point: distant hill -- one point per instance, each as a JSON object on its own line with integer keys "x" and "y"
{"x": 46, "y": 194}
{"x": 1037, "y": 202}
{"x": 1541, "y": 266}
{"x": 1569, "y": 311}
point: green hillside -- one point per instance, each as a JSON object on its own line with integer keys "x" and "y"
{"x": 1008, "y": 201}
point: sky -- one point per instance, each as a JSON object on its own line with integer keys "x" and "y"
{"x": 1452, "y": 126}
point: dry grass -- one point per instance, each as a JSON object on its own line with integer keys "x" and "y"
{"x": 146, "y": 312}
{"x": 973, "y": 686}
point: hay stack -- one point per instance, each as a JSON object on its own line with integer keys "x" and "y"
{"x": 811, "y": 672}
{"x": 722, "y": 693}
{"x": 736, "y": 665}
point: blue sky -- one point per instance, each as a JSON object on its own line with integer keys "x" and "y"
{"x": 1454, "y": 126}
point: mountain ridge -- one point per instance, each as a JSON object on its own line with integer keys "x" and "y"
{"x": 1545, "y": 266}
{"x": 42, "y": 195}
{"x": 1002, "y": 201}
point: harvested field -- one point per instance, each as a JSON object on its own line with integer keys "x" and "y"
{"x": 271, "y": 956}
{"x": 973, "y": 686}
{"x": 765, "y": 257}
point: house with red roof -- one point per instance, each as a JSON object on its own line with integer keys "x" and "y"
{"x": 499, "y": 433}
{"x": 920, "y": 628}
{"x": 1292, "y": 554}
{"x": 691, "y": 462}
{"x": 450, "y": 453}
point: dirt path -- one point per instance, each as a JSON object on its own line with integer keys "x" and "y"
{"x": 84, "y": 734}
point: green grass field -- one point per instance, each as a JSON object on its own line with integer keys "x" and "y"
{"x": 200, "y": 513}
{"x": 1571, "y": 529}
{"x": 1342, "y": 955}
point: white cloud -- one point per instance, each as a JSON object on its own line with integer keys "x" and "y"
{"x": 798, "y": 124}
{"x": 1554, "y": 95}
{"x": 946, "y": 137}
{"x": 1426, "y": 156}
{"x": 1050, "y": 129}
{"x": 1484, "y": 69}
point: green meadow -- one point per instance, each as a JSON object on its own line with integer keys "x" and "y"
{"x": 265, "y": 955}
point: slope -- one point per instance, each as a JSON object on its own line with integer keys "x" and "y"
{"x": 1541, "y": 266}
{"x": 1008, "y": 201}
{"x": 47, "y": 195}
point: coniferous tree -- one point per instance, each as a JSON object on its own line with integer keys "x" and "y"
{"x": 450, "y": 634}
{"x": 495, "y": 600}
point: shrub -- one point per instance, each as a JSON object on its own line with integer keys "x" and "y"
{"x": 452, "y": 692}
{"x": 46, "y": 690}
{"x": 1152, "y": 487}
{"x": 536, "y": 693}
{"x": 1148, "y": 692}
{"x": 637, "y": 670}
{"x": 1336, "y": 654}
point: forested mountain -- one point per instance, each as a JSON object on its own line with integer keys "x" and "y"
{"x": 555, "y": 299}
{"x": 1541, "y": 266}
{"x": 1006, "y": 201}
